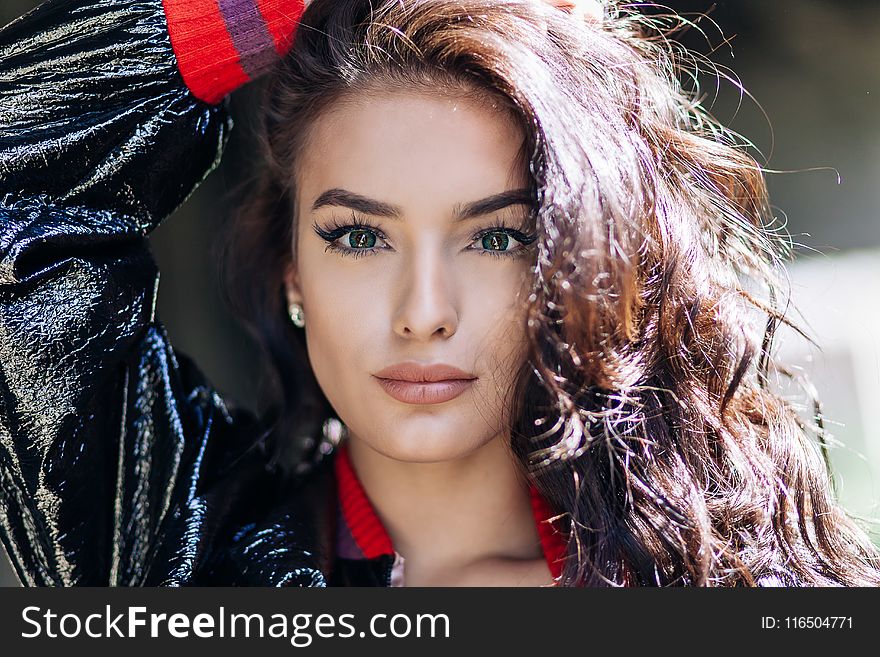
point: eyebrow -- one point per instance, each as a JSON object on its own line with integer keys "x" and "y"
{"x": 344, "y": 198}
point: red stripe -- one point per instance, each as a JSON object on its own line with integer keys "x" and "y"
{"x": 552, "y": 541}
{"x": 375, "y": 537}
{"x": 282, "y": 17}
{"x": 371, "y": 537}
{"x": 359, "y": 515}
{"x": 206, "y": 57}
{"x": 363, "y": 523}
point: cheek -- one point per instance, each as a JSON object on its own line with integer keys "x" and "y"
{"x": 497, "y": 324}
{"x": 341, "y": 313}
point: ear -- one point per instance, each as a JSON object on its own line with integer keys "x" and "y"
{"x": 292, "y": 291}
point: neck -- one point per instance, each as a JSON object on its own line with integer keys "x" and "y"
{"x": 451, "y": 514}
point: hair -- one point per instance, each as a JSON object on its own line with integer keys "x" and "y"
{"x": 644, "y": 413}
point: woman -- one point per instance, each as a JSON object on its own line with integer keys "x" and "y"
{"x": 588, "y": 405}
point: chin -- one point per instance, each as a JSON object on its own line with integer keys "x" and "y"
{"x": 425, "y": 447}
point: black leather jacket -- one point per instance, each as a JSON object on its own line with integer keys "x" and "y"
{"x": 119, "y": 464}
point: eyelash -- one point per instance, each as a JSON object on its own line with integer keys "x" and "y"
{"x": 336, "y": 229}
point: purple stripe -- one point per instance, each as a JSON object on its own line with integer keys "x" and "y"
{"x": 250, "y": 36}
{"x": 346, "y": 546}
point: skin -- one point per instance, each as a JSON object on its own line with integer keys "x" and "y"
{"x": 441, "y": 476}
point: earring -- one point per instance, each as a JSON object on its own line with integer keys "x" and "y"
{"x": 296, "y": 315}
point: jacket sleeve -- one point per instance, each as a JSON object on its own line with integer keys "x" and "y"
{"x": 111, "y": 113}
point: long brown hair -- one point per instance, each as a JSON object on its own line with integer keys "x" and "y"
{"x": 645, "y": 413}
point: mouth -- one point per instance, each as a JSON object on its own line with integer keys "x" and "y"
{"x": 424, "y": 392}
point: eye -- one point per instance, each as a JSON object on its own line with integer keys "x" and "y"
{"x": 502, "y": 241}
{"x": 357, "y": 238}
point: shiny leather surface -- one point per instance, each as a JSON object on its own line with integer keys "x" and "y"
{"x": 119, "y": 464}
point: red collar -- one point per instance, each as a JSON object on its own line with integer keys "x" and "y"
{"x": 371, "y": 540}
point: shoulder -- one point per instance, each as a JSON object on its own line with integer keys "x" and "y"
{"x": 276, "y": 529}
{"x": 237, "y": 520}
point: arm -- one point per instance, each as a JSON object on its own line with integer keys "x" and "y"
{"x": 110, "y": 114}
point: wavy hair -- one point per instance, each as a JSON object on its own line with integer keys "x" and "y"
{"x": 645, "y": 413}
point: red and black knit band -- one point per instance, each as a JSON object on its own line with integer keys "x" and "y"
{"x": 221, "y": 44}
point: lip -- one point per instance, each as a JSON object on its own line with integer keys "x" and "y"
{"x": 435, "y": 392}
{"x": 422, "y": 372}
{"x": 417, "y": 383}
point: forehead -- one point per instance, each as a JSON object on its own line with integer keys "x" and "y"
{"x": 412, "y": 149}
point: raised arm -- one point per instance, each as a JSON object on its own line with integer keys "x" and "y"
{"x": 110, "y": 114}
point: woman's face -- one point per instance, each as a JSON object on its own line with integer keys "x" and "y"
{"x": 427, "y": 277}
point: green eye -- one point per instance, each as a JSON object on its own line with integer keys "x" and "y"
{"x": 361, "y": 239}
{"x": 496, "y": 241}
{"x": 358, "y": 239}
{"x": 502, "y": 242}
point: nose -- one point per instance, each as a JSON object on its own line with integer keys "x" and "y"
{"x": 427, "y": 306}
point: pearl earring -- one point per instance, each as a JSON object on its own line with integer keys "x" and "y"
{"x": 296, "y": 314}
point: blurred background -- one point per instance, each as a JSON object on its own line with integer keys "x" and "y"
{"x": 812, "y": 68}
